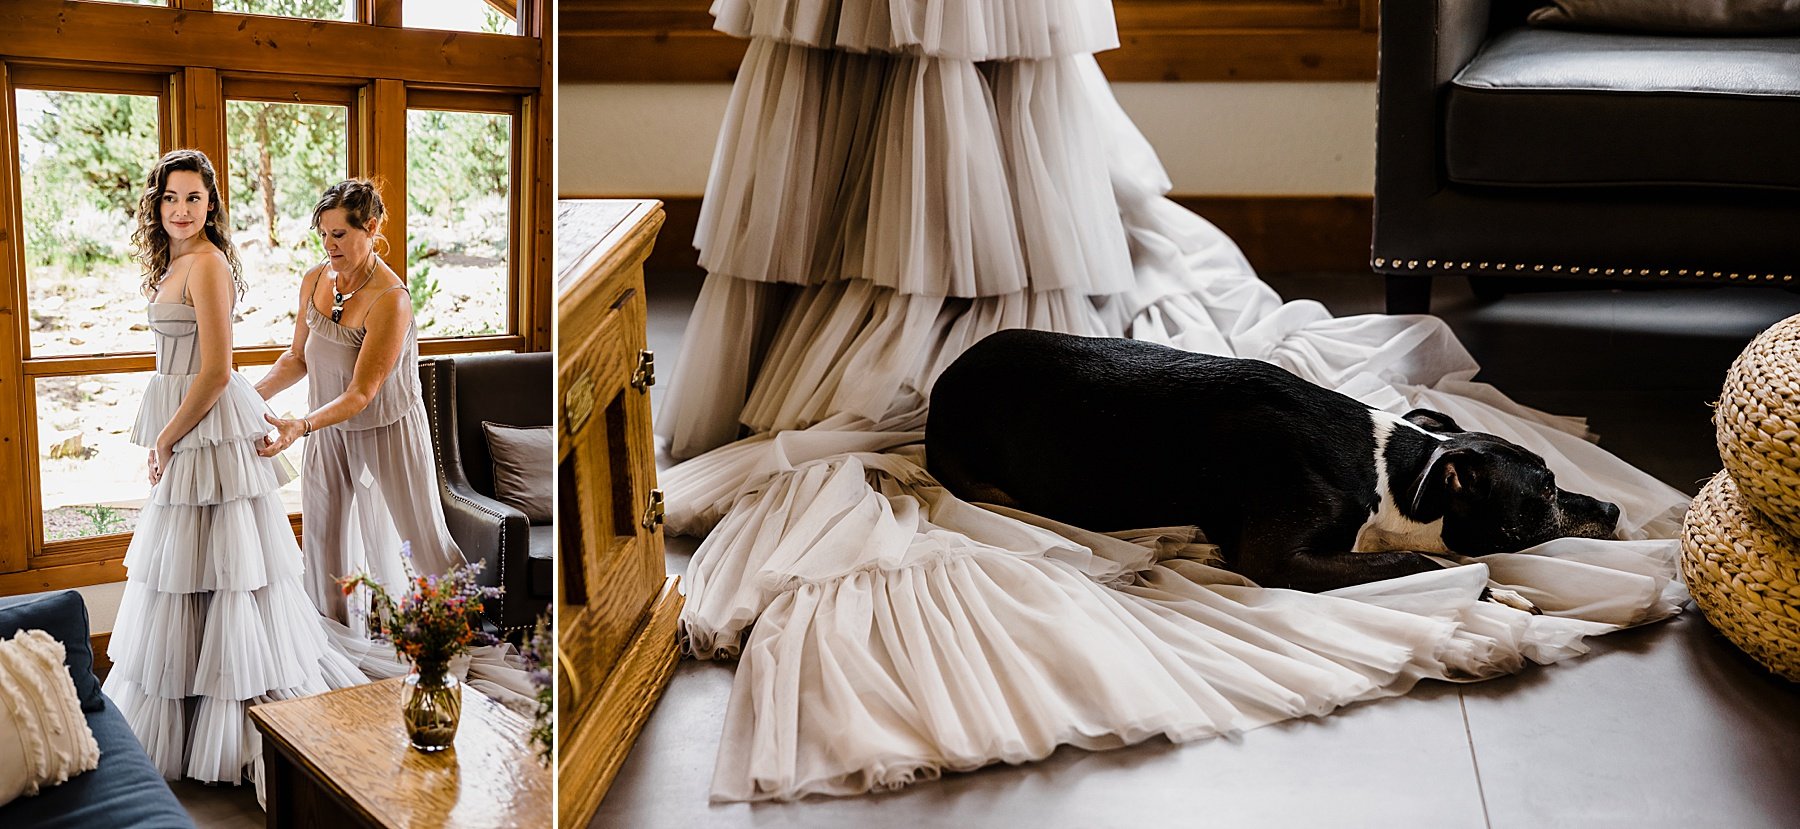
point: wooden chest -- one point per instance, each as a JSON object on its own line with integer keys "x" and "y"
{"x": 616, "y": 609}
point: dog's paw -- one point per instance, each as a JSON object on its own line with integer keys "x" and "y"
{"x": 1510, "y": 598}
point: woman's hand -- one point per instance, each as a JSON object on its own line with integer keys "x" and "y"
{"x": 159, "y": 462}
{"x": 287, "y": 430}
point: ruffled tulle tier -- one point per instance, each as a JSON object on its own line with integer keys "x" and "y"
{"x": 237, "y": 416}
{"x": 210, "y": 474}
{"x": 229, "y": 644}
{"x": 960, "y": 29}
{"x": 171, "y": 548}
{"x": 955, "y": 636}
{"x": 931, "y": 177}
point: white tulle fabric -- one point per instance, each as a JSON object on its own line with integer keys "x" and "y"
{"x": 887, "y": 631}
{"x": 214, "y": 618}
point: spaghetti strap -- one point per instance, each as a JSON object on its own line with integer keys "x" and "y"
{"x": 187, "y": 278}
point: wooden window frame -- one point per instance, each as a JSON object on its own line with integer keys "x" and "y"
{"x": 385, "y": 69}
{"x": 655, "y": 41}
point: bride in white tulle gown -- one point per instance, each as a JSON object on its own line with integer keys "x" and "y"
{"x": 214, "y": 617}
{"x": 896, "y": 180}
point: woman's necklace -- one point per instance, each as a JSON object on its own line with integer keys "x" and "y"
{"x": 339, "y": 296}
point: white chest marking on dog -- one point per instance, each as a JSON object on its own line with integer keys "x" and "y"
{"x": 1386, "y": 529}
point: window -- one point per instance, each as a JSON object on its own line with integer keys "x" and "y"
{"x": 311, "y": 9}
{"x": 491, "y": 16}
{"x": 282, "y": 156}
{"x": 459, "y": 220}
{"x": 82, "y": 160}
{"x": 80, "y": 124}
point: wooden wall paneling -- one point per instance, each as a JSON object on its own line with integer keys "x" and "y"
{"x": 1290, "y": 55}
{"x": 644, "y": 41}
{"x": 381, "y": 144}
{"x": 16, "y": 533}
{"x": 129, "y": 34}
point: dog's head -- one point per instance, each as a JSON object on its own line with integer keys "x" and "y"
{"x": 1498, "y": 497}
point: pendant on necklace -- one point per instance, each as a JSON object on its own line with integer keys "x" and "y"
{"x": 337, "y": 306}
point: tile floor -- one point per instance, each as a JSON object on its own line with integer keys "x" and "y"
{"x": 1662, "y": 726}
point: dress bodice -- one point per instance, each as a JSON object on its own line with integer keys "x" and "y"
{"x": 331, "y": 353}
{"x": 177, "y": 332}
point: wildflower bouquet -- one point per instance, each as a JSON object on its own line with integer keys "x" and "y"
{"x": 438, "y": 619}
{"x": 537, "y": 646}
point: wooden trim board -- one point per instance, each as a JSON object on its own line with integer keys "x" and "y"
{"x": 1278, "y": 234}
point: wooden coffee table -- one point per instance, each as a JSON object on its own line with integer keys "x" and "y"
{"x": 341, "y": 759}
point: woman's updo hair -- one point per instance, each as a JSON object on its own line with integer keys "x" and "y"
{"x": 358, "y": 197}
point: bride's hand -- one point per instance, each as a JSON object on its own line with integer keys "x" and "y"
{"x": 287, "y": 430}
{"x": 159, "y": 462}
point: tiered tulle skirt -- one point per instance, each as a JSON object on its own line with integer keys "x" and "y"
{"x": 214, "y": 618}
{"x": 895, "y": 181}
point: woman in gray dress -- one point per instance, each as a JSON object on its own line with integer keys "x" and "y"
{"x": 369, "y": 479}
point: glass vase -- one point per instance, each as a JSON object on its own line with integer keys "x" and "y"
{"x": 433, "y": 708}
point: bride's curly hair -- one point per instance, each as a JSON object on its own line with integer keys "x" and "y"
{"x": 152, "y": 241}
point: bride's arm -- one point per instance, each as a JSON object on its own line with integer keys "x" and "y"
{"x": 290, "y": 367}
{"x": 211, "y": 287}
{"x": 386, "y": 327}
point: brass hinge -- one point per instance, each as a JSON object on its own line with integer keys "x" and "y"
{"x": 645, "y": 374}
{"x": 653, "y": 514}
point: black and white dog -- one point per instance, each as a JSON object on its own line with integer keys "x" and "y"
{"x": 1300, "y": 486}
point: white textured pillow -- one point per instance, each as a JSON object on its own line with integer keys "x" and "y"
{"x": 44, "y": 739}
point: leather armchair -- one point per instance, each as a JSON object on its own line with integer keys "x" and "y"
{"x": 460, "y": 393}
{"x": 1506, "y": 151}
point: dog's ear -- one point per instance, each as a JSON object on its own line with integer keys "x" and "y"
{"x": 1435, "y": 422}
{"x": 1451, "y": 474}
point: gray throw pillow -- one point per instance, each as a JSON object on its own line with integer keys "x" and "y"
{"x": 1691, "y": 17}
{"x": 523, "y": 457}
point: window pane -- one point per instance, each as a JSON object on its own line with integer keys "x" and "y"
{"x": 95, "y": 480}
{"x": 459, "y": 220}
{"x": 312, "y": 9}
{"x": 83, "y": 158}
{"x": 494, "y": 16}
{"x": 282, "y": 157}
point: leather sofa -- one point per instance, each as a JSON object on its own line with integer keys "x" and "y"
{"x": 460, "y": 393}
{"x": 125, "y": 791}
{"x": 1508, "y": 151}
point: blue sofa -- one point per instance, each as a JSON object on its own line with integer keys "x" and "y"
{"x": 126, "y": 791}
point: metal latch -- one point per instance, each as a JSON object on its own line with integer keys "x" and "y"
{"x": 645, "y": 375}
{"x": 653, "y": 514}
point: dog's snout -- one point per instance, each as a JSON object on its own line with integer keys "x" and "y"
{"x": 1584, "y": 516}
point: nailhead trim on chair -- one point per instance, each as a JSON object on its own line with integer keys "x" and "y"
{"x": 1575, "y": 270}
{"x": 431, "y": 411}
